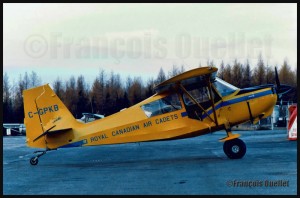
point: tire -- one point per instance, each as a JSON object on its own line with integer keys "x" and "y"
{"x": 34, "y": 161}
{"x": 234, "y": 149}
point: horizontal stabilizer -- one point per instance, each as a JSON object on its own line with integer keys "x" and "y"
{"x": 49, "y": 132}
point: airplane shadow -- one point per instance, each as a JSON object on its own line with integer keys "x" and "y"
{"x": 154, "y": 162}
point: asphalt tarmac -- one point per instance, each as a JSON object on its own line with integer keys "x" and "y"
{"x": 195, "y": 166}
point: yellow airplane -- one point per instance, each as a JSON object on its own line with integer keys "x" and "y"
{"x": 190, "y": 104}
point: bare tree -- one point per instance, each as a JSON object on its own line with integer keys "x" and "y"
{"x": 270, "y": 74}
{"x": 173, "y": 72}
{"x": 221, "y": 70}
{"x": 285, "y": 74}
{"x": 247, "y": 76}
{"x": 259, "y": 76}
{"x": 295, "y": 77}
{"x": 128, "y": 83}
{"x": 18, "y": 99}
{"x": 182, "y": 69}
{"x": 26, "y": 81}
{"x": 161, "y": 76}
{"x": 97, "y": 93}
{"x": 149, "y": 88}
{"x": 35, "y": 80}
{"x": 236, "y": 74}
{"x": 210, "y": 63}
{"x": 58, "y": 88}
{"x": 135, "y": 91}
{"x": 82, "y": 96}
{"x": 114, "y": 93}
{"x": 71, "y": 96}
{"x": 6, "y": 87}
{"x": 227, "y": 73}
{"x": 7, "y": 102}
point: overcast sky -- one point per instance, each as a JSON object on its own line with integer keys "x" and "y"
{"x": 137, "y": 39}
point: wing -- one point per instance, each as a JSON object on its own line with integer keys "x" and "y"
{"x": 198, "y": 75}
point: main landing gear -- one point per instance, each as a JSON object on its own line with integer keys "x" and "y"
{"x": 233, "y": 147}
{"x": 35, "y": 160}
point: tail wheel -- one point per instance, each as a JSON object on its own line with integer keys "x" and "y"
{"x": 34, "y": 161}
{"x": 234, "y": 149}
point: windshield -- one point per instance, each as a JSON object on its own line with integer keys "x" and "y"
{"x": 223, "y": 87}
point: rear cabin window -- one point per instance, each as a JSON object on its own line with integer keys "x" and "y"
{"x": 164, "y": 105}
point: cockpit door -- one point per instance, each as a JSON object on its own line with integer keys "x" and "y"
{"x": 198, "y": 99}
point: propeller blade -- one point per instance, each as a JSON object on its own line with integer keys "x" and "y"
{"x": 277, "y": 78}
{"x": 281, "y": 89}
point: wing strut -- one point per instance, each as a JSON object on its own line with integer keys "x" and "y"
{"x": 193, "y": 99}
{"x": 212, "y": 102}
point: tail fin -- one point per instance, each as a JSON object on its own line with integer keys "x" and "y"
{"x": 45, "y": 117}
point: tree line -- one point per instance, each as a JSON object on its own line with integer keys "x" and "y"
{"x": 109, "y": 94}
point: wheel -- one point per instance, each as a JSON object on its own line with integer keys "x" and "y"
{"x": 34, "y": 161}
{"x": 234, "y": 149}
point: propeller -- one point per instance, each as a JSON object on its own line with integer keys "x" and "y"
{"x": 281, "y": 89}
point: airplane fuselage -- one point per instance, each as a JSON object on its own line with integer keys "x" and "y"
{"x": 132, "y": 124}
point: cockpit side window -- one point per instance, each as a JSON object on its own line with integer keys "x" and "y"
{"x": 164, "y": 105}
{"x": 224, "y": 88}
{"x": 200, "y": 95}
